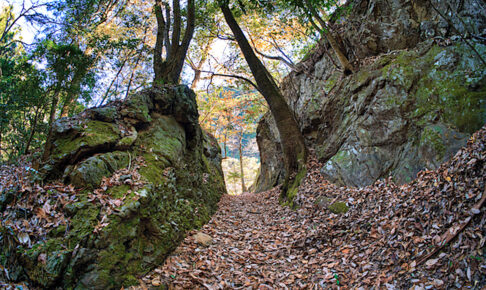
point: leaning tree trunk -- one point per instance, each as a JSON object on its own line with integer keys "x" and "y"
{"x": 293, "y": 146}
{"x": 324, "y": 29}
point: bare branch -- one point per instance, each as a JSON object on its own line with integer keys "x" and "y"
{"x": 274, "y": 57}
{"x": 277, "y": 47}
{"x": 213, "y": 74}
{"x": 23, "y": 13}
{"x": 457, "y": 31}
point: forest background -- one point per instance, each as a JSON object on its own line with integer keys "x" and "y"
{"x": 59, "y": 57}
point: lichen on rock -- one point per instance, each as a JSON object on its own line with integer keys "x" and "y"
{"x": 146, "y": 175}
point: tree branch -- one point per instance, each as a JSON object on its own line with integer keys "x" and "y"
{"x": 459, "y": 33}
{"x": 274, "y": 57}
{"x": 453, "y": 231}
{"x": 191, "y": 18}
{"x": 213, "y": 74}
{"x": 167, "y": 30}
{"x": 176, "y": 28}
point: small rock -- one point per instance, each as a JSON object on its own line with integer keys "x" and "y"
{"x": 203, "y": 239}
{"x": 156, "y": 282}
{"x": 125, "y": 177}
{"x": 322, "y": 202}
{"x": 338, "y": 207}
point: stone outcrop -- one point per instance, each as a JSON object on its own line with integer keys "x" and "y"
{"x": 419, "y": 92}
{"x": 147, "y": 174}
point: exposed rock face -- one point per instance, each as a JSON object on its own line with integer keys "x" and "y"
{"x": 116, "y": 232}
{"x": 412, "y": 104}
{"x": 272, "y": 171}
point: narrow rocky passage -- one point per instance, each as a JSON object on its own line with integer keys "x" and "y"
{"x": 252, "y": 245}
{"x": 429, "y": 233}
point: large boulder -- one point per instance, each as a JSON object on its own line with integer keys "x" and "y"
{"x": 411, "y": 105}
{"x": 145, "y": 175}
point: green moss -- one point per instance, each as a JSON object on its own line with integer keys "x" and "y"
{"x": 138, "y": 106}
{"x": 342, "y": 157}
{"x": 118, "y": 191}
{"x": 94, "y": 133}
{"x": 107, "y": 114}
{"x": 293, "y": 189}
{"x": 142, "y": 238}
{"x": 431, "y": 137}
{"x": 55, "y": 256}
{"x": 58, "y": 231}
{"x": 153, "y": 172}
{"x": 449, "y": 95}
{"x": 83, "y": 222}
{"x": 338, "y": 207}
{"x": 127, "y": 141}
{"x": 331, "y": 82}
{"x": 152, "y": 220}
{"x": 401, "y": 71}
{"x": 164, "y": 139}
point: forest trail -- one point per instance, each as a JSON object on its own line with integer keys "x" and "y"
{"x": 253, "y": 244}
{"x": 391, "y": 237}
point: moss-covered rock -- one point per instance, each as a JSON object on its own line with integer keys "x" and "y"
{"x": 417, "y": 93}
{"x": 338, "y": 207}
{"x": 407, "y": 111}
{"x": 170, "y": 182}
{"x": 89, "y": 173}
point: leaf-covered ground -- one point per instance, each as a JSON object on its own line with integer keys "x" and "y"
{"x": 428, "y": 234}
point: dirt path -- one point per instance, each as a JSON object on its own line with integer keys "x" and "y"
{"x": 430, "y": 233}
{"x": 253, "y": 238}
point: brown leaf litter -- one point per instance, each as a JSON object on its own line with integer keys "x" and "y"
{"x": 428, "y": 234}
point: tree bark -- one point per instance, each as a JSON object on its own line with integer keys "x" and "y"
{"x": 343, "y": 60}
{"x": 32, "y": 131}
{"x": 52, "y": 119}
{"x": 242, "y": 173}
{"x": 293, "y": 146}
{"x": 168, "y": 70}
{"x": 198, "y": 68}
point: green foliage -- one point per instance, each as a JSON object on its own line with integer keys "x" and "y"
{"x": 21, "y": 95}
{"x": 67, "y": 68}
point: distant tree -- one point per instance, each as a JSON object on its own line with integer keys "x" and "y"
{"x": 68, "y": 70}
{"x": 293, "y": 146}
{"x": 22, "y": 96}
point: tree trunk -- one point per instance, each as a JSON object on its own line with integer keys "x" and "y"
{"x": 1, "y": 149}
{"x": 168, "y": 70}
{"x": 52, "y": 119}
{"x": 32, "y": 131}
{"x": 225, "y": 148}
{"x": 242, "y": 173}
{"x": 293, "y": 146}
{"x": 66, "y": 106}
{"x": 343, "y": 60}
{"x": 198, "y": 68}
{"x": 196, "y": 79}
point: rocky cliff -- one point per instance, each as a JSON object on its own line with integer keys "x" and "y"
{"x": 144, "y": 172}
{"x": 418, "y": 93}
